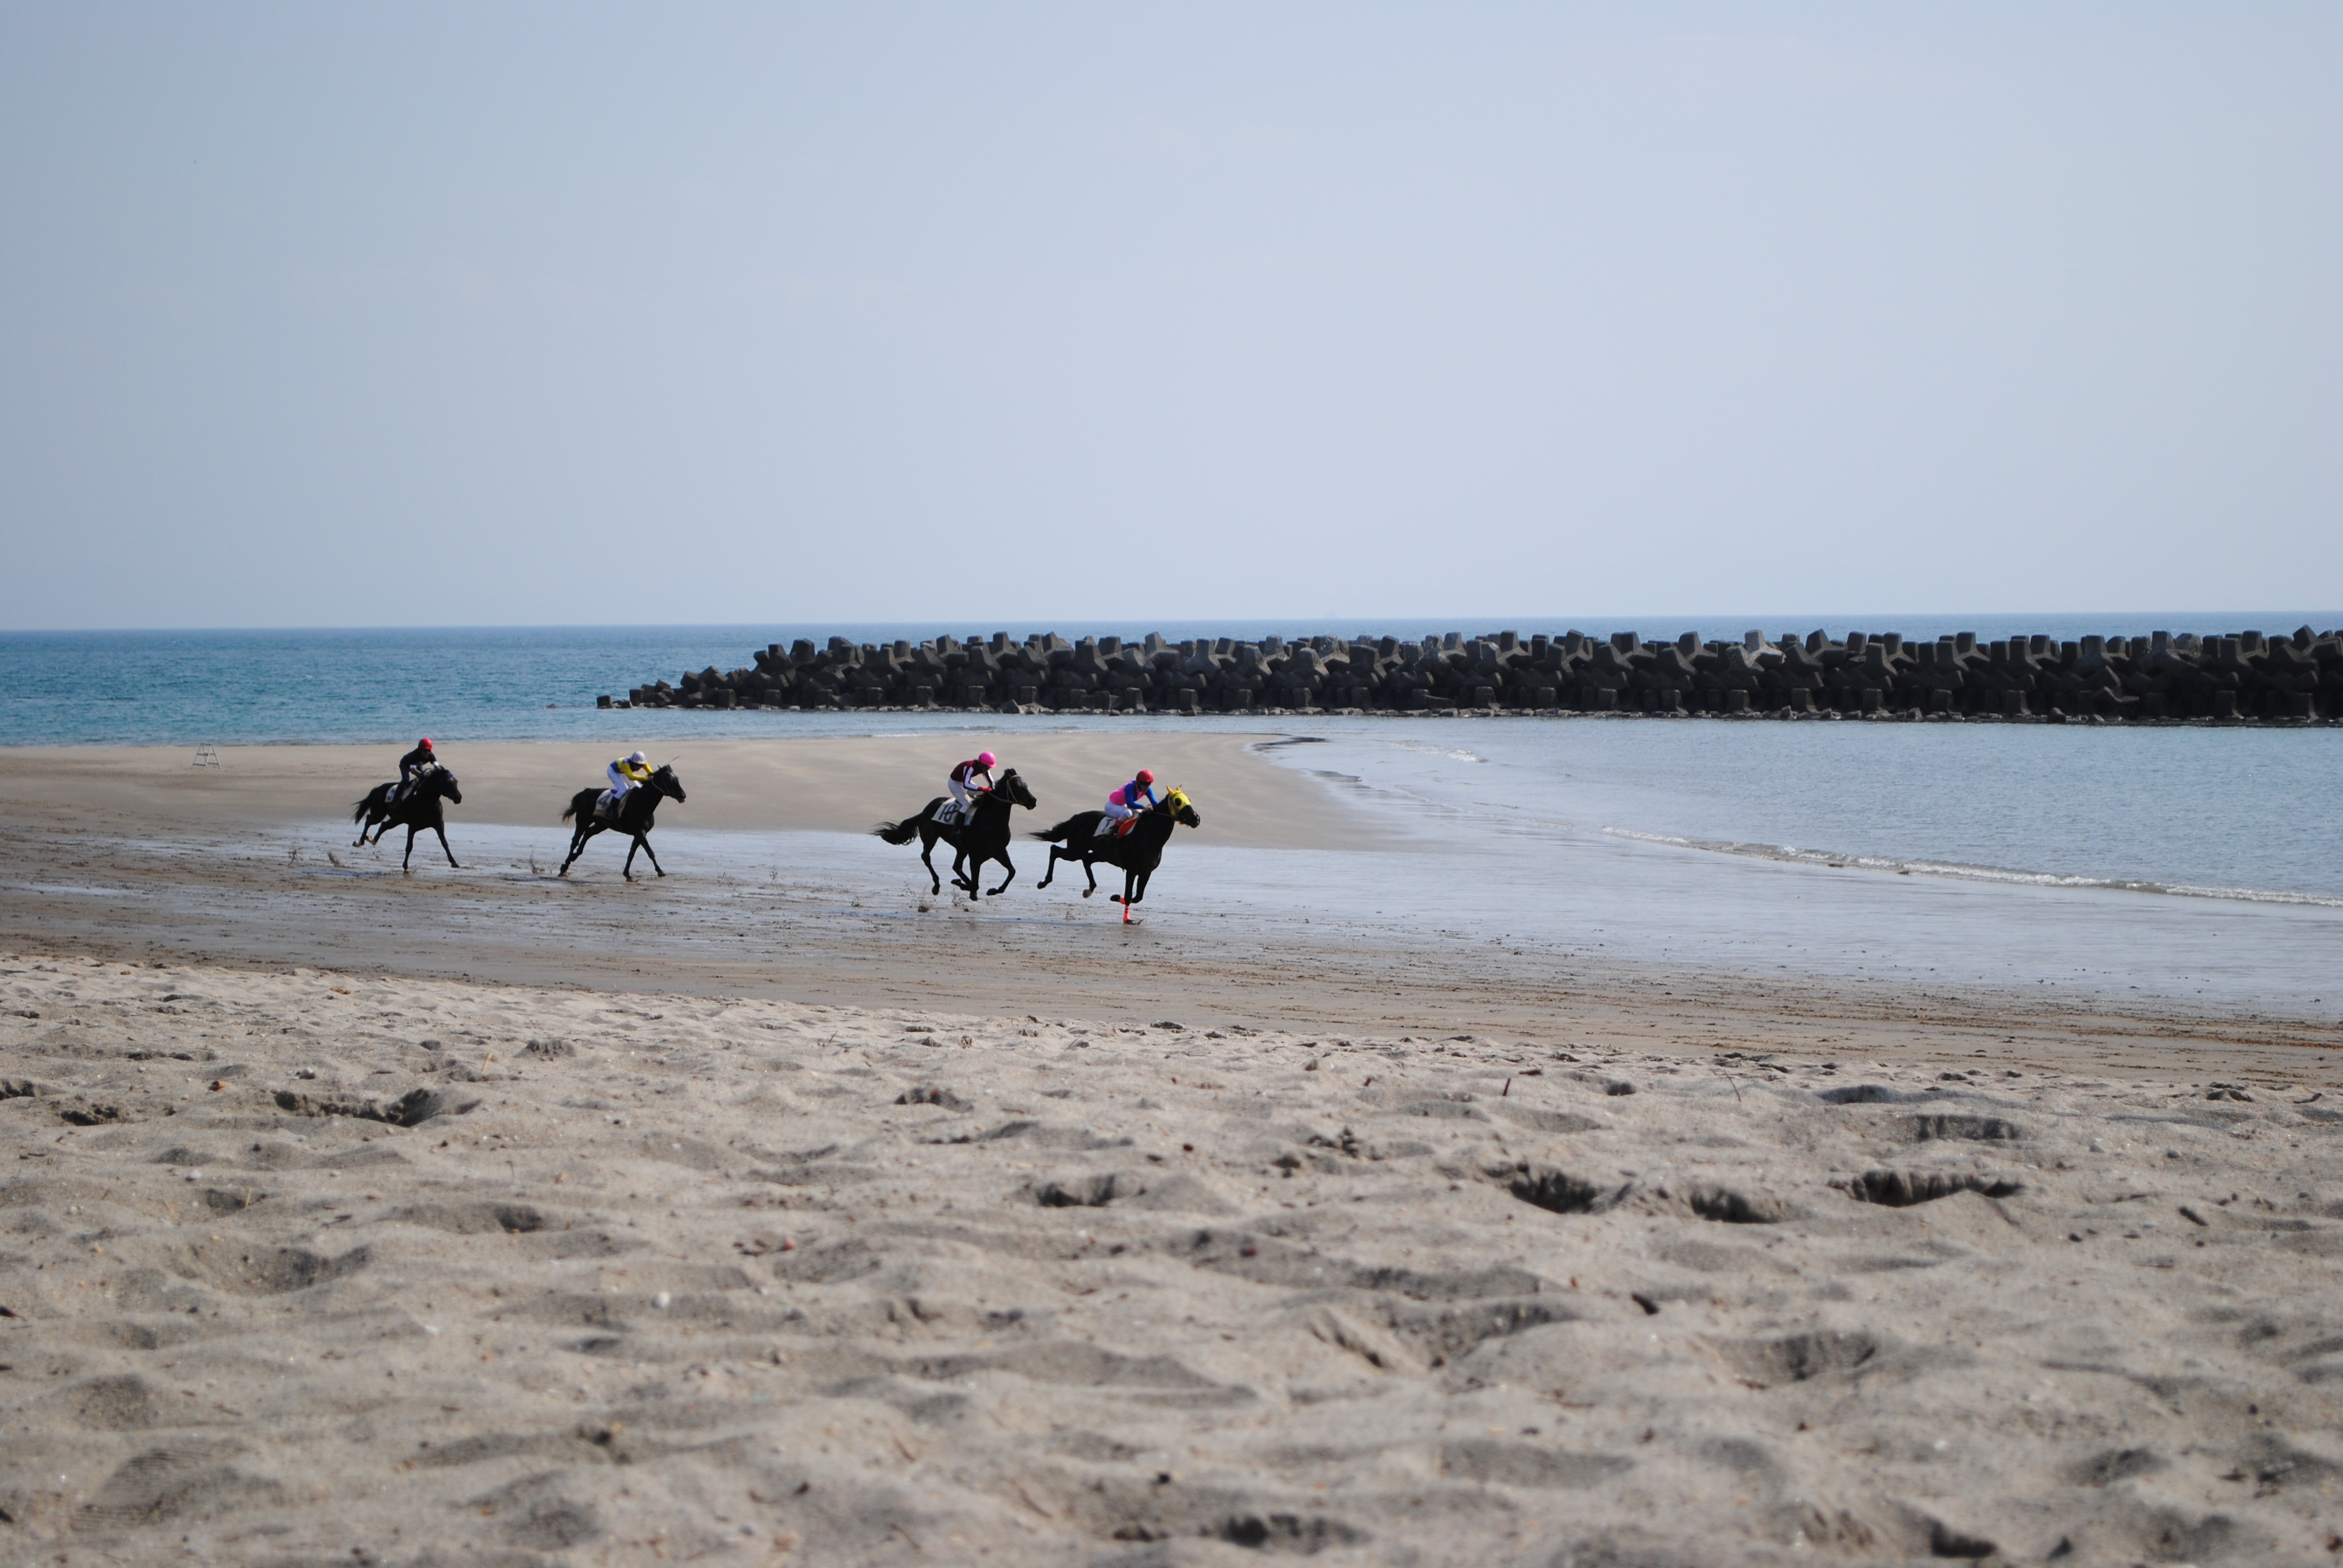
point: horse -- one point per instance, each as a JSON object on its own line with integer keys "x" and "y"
{"x": 635, "y": 809}
{"x": 1138, "y": 852}
{"x": 417, "y": 810}
{"x": 984, "y": 837}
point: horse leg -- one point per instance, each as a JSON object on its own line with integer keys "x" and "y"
{"x": 443, "y": 845}
{"x": 645, "y": 843}
{"x": 1089, "y": 870}
{"x": 576, "y": 847}
{"x": 1010, "y": 865}
{"x": 403, "y": 860}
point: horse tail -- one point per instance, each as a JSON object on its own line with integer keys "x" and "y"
{"x": 901, "y": 833}
{"x": 577, "y": 804}
{"x": 1060, "y": 833}
{"x": 358, "y": 814}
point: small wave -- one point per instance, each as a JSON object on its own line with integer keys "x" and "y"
{"x": 1450, "y": 752}
{"x": 1790, "y": 854}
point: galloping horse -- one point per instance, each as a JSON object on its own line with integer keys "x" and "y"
{"x": 419, "y": 809}
{"x": 984, "y": 837}
{"x": 635, "y": 813}
{"x": 1138, "y": 852}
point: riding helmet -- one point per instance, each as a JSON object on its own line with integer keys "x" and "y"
{"x": 1145, "y": 776}
{"x": 424, "y": 744}
{"x": 986, "y": 759}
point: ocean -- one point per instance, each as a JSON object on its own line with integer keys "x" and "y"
{"x": 540, "y": 683}
{"x": 2189, "y": 863}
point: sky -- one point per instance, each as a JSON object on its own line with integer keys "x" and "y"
{"x": 499, "y": 315}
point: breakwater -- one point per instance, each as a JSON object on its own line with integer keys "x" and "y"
{"x": 2160, "y": 675}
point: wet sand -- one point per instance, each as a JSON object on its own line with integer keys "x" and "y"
{"x": 837, "y": 785}
{"x": 777, "y": 1210}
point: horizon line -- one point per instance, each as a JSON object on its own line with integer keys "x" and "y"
{"x": 1758, "y": 619}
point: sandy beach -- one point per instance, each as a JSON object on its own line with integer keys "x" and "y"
{"x": 301, "y": 1263}
{"x": 750, "y": 1214}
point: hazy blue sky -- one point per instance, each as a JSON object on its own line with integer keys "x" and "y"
{"x": 339, "y": 315}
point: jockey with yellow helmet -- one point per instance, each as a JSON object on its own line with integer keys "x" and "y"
{"x": 627, "y": 772}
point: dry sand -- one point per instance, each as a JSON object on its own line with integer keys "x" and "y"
{"x": 635, "y": 1278}
{"x": 723, "y": 1218}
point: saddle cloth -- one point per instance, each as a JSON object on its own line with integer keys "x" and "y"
{"x": 1108, "y": 825}
{"x": 602, "y": 803}
{"x": 947, "y": 813}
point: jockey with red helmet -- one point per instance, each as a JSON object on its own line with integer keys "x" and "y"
{"x": 964, "y": 787}
{"x": 413, "y": 763}
{"x": 1125, "y": 803}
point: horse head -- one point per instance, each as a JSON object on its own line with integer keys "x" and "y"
{"x": 443, "y": 783}
{"x": 1181, "y": 808}
{"x": 666, "y": 782}
{"x": 1015, "y": 790}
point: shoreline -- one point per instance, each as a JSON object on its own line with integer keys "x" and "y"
{"x": 135, "y": 854}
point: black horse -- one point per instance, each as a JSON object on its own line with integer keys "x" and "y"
{"x": 635, "y": 814}
{"x": 984, "y": 837}
{"x": 417, "y": 810}
{"x": 1138, "y": 852}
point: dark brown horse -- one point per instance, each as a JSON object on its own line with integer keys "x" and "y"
{"x": 636, "y": 811}
{"x": 417, "y": 810}
{"x": 1138, "y": 852}
{"x": 983, "y": 836}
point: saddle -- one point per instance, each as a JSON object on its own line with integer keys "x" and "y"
{"x": 602, "y": 804}
{"x": 947, "y": 811}
{"x": 1108, "y": 825}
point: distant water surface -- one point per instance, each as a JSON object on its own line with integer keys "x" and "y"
{"x": 530, "y": 683}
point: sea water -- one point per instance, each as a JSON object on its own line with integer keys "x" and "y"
{"x": 540, "y": 683}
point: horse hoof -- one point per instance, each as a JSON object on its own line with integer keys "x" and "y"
{"x": 1088, "y": 891}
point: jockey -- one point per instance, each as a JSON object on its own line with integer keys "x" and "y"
{"x": 625, "y": 773}
{"x": 1124, "y": 803}
{"x": 413, "y": 763}
{"x": 962, "y": 781}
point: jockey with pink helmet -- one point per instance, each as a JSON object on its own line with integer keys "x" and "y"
{"x": 964, "y": 786}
